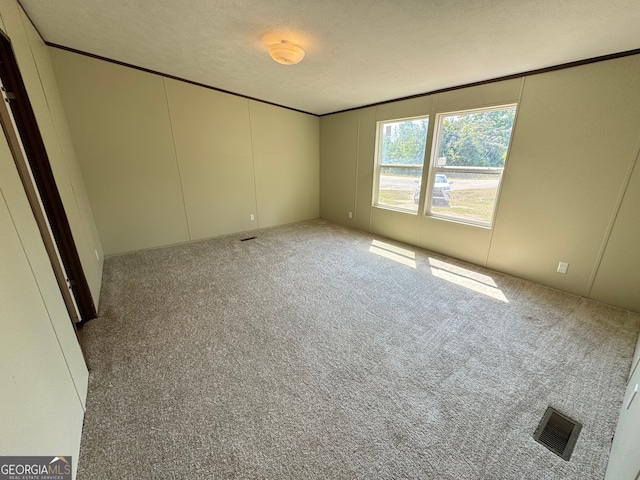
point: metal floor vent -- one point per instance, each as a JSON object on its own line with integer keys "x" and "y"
{"x": 248, "y": 238}
{"x": 558, "y": 433}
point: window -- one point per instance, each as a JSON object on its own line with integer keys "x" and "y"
{"x": 400, "y": 156}
{"x": 467, "y": 163}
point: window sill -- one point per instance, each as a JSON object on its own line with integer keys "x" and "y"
{"x": 392, "y": 209}
{"x": 458, "y": 221}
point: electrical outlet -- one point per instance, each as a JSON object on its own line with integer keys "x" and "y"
{"x": 252, "y": 217}
{"x": 563, "y": 267}
{"x": 350, "y": 214}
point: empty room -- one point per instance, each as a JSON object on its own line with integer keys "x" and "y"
{"x": 291, "y": 240}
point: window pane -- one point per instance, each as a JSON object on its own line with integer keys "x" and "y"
{"x": 400, "y": 159}
{"x": 470, "y": 153}
{"x": 400, "y": 187}
{"x": 467, "y": 196}
{"x": 475, "y": 139}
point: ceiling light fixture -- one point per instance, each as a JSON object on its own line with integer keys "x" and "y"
{"x": 286, "y": 52}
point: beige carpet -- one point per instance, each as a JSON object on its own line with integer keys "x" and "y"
{"x": 315, "y": 351}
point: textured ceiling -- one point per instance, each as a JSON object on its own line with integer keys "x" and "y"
{"x": 359, "y": 52}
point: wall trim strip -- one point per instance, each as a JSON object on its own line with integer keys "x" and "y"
{"x": 173, "y": 77}
{"x": 577, "y": 63}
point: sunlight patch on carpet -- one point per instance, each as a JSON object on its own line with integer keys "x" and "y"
{"x": 466, "y": 278}
{"x": 392, "y": 252}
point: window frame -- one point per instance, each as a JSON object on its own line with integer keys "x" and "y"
{"x": 435, "y": 169}
{"x": 378, "y": 165}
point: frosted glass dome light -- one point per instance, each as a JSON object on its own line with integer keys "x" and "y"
{"x": 286, "y": 52}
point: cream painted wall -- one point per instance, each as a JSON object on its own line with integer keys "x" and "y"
{"x": 41, "y": 412}
{"x": 42, "y": 369}
{"x": 618, "y": 277}
{"x": 364, "y": 170}
{"x": 25, "y": 224}
{"x": 286, "y": 155}
{"x": 338, "y": 166}
{"x": 35, "y": 66}
{"x": 575, "y": 139}
{"x": 574, "y": 143}
{"x": 213, "y": 146}
{"x": 165, "y": 161}
{"x": 402, "y": 226}
{"x": 121, "y": 131}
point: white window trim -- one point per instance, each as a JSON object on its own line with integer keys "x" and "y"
{"x": 378, "y": 166}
